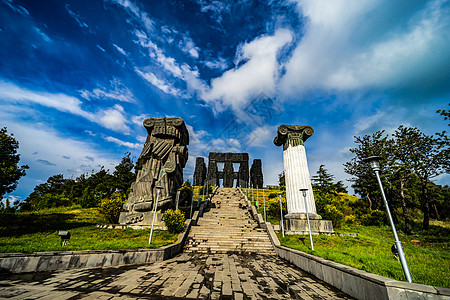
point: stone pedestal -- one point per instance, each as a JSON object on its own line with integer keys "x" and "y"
{"x": 298, "y": 224}
{"x": 142, "y": 219}
{"x": 292, "y": 138}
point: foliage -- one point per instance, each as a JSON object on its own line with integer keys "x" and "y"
{"x": 374, "y": 218}
{"x": 186, "y": 194}
{"x": 330, "y": 212}
{"x": 410, "y": 159}
{"x": 10, "y": 171}
{"x": 174, "y": 220}
{"x": 88, "y": 191}
{"x": 111, "y": 207}
{"x": 282, "y": 181}
{"x": 272, "y": 195}
{"x": 207, "y": 191}
{"x": 323, "y": 182}
{"x": 273, "y": 207}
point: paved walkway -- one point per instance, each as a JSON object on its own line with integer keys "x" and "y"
{"x": 201, "y": 276}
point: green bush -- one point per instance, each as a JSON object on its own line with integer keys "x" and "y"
{"x": 272, "y": 195}
{"x": 49, "y": 200}
{"x": 174, "y": 220}
{"x": 333, "y": 214}
{"x": 374, "y": 218}
{"x": 351, "y": 219}
{"x": 111, "y": 207}
{"x": 273, "y": 207}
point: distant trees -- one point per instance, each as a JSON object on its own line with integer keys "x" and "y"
{"x": 410, "y": 159}
{"x": 10, "y": 171}
{"x": 324, "y": 182}
{"x": 88, "y": 191}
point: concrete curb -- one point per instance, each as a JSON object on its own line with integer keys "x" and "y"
{"x": 15, "y": 263}
{"x": 354, "y": 282}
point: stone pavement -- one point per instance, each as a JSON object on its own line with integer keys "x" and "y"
{"x": 189, "y": 275}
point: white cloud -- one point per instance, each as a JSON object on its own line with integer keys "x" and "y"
{"x": 261, "y": 136}
{"x": 122, "y": 143}
{"x": 100, "y": 48}
{"x": 133, "y": 9}
{"x": 351, "y": 45}
{"x": 116, "y": 91}
{"x": 139, "y": 120}
{"x": 120, "y": 50}
{"x": 159, "y": 83}
{"x": 217, "y": 64}
{"x": 76, "y": 17}
{"x": 114, "y": 119}
{"x": 39, "y": 143}
{"x": 187, "y": 45}
{"x": 258, "y": 74}
{"x": 111, "y": 118}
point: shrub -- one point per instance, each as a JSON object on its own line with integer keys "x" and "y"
{"x": 351, "y": 219}
{"x": 374, "y": 218}
{"x": 111, "y": 207}
{"x": 273, "y": 207}
{"x": 174, "y": 220}
{"x": 88, "y": 199}
{"x": 272, "y": 195}
{"x": 49, "y": 200}
{"x": 333, "y": 214}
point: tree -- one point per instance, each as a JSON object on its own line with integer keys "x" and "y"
{"x": 10, "y": 172}
{"x": 323, "y": 182}
{"x": 444, "y": 113}
{"x": 364, "y": 181}
{"x": 425, "y": 156}
{"x": 123, "y": 176}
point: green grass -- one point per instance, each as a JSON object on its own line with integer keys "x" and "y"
{"x": 38, "y": 231}
{"x": 427, "y": 254}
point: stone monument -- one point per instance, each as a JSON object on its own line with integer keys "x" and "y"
{"x": 228, "y": 174}
{"x": 292, "y": 138}
{"x": 256, "y": 174}
{"x": 161, "y": 165}
{"x": 199, "y": 172}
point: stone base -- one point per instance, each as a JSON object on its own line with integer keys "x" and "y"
{"x": 300, "y": 226}
{"x": 142, "y": 220}
{"x": 302, "y": 216}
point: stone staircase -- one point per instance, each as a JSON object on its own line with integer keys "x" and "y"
{"x": 228, "y": 227}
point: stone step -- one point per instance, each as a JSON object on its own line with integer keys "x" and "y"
{"x": 228, "y": 226}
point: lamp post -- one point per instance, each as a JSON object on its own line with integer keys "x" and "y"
{"x": 264, "y": 198}
{"x": 281, "y": 211}
{"x": 178, "y": 199}
{"x": 158, "y": 189}
{"x": 374, "y": 162}
{"x": 307, "y": 218}
{"x": 192, "y": 204}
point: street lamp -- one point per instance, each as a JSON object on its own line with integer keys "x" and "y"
{"x": 178, "y": 199}
{"x": 374, "y": 162}
{"x": 158, "y": 188}
{"x": 281, "y": 211}
{"x": 264, "y": 197}
{"x": 307, "y": 218}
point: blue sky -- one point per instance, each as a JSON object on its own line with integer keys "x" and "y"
{"x": 77, "y": 78}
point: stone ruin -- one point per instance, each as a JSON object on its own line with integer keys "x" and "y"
{"x": 256, "y": 174}
{"x": 228, "y": 174}
{"x": 160, "y": 166}
{"x": 199, "y": 172}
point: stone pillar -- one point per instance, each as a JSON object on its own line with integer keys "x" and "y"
{"x": 292, "y": 138}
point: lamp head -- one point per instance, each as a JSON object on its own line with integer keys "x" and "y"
{"x": 304, "y": 191}
{"x": 374, "y": 162}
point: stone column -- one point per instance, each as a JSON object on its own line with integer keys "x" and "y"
{"x": 292, "y": 138}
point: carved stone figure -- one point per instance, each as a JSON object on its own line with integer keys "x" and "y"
{"x": 228, "y": 174}
{"x": 160, "y": 164}
{"x": 199, "y": 172}
{"x": 256, "y": 174}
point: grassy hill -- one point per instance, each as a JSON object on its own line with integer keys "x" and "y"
{"x": 38, "y": 231}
